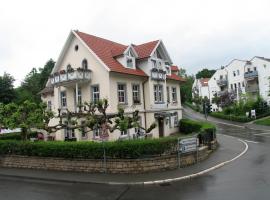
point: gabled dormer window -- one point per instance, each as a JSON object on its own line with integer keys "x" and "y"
{"x": 129, "y": 62}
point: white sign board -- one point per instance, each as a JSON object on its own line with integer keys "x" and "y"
{"x": 187, "y": 145}
{"x": 253, "y": 113}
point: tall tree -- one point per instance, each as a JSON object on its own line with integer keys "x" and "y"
{"x": 186, "y": 88}
{"x": 7, "y": 92}
{"x": 33, "y": 83}
{"x": 205, "y": 73}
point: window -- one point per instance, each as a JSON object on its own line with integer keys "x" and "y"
{"x": 83, "y": 129}
{"x": 168, "y": 94}
{"x": 235, "y": 86}
{"x": 234, "y": 74}
{"x": 49, "y": 105}
{"x": 176, "y": 120}
{"x": 136, "y": 94}
{"x": 129, "y": 62}
{"x": 79, "y": 97}
{"x": 76, "y": 48}
{"x": 243, "y": 84}
{"x": 124, "y": 133}
{"x": 232, "y": 86}
{"x": 84, "y": 64}
{"x": 221, "y": 77}
{"x": 96, "y": 132}
{"x": 95, "y": 93}
{"x": 239, "y": 84}
{"x": 238, "y": 72}
{"x": 168, "y": 72}
{"x": 158, "y": 93}
{"x": 255, "y": 68}
{"x": 264, "y": 65}
{"x": 154, "y": 63}
{"x": 122, "y": 99}
{"x": 68, "y": 67}
{"x": 138, "y": 130}
{"x": 174, "y": 94}
{"x": 63, "y": 96}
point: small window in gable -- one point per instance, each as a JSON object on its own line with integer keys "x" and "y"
{"x": 76, "y": 48}
{"x": 84, "y": 64}
{"x": 159, "y": 55}
{"x": 129, "y": 62}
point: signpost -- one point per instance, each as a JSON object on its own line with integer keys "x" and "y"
{"x": 186, "y": 146}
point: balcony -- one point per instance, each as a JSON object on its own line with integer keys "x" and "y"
{"x": 222, "y": 82}
{"x": 222, "y": 93}
{"x": 70, "y": 76}
{"x": 252, "y": 89}
{"x": 158, "y": 74}
{"x": 251, "y": 75}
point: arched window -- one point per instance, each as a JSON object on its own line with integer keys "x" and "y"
{"x": 84, "y": 64}
{"x": 68, "y": 67}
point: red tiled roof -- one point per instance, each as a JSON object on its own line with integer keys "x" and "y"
{"x": 174, "y": 68}
{"x": 176, "y": 78}
{"x": 145, "y": 50}
{"x": 106, "y": 50}
{"x": 204, "y": 81}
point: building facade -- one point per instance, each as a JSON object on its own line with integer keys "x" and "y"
{"x": 240, "y": 79}
{"x": 134, "y": 77}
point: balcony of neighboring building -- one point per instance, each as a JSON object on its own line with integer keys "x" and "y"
{"x": 252, "y": 88}
{"x": 222, "y": 82}
{"x": 70, "y": 76}
{"x": 251, "y": 75}
{"x": 222, "y": 93}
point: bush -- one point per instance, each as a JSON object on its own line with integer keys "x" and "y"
{"x": 230, "y": 117}
{"x": 189, "y": 126}
{"x": 93, "y": 150}
{"x": 16, "y": 136}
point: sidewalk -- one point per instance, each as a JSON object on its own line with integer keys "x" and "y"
{"x": 229, "y": 148}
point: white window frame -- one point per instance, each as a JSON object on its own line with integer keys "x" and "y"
{"x": 63, "y": 96}
{"x": 49, "y": 105}
{"x": 122, "y": 91}
{"x": 95, "y": 95}
{"x": 96, "y": 132}
{"x": 158, "y": 93}
{"x": 175, "y": 122}
{"x": 136, "y": 94}
{"x": 174, "y": 95}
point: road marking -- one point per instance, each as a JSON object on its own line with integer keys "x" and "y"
{"x": 250, "y": 141}
{"x": 261, "y": 134}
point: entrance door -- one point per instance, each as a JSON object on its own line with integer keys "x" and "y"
{"x": 161, "y": 127}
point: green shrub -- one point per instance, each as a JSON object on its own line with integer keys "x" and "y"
{"x": 16, "y": 136}
{"x": 189, "y": 126}
{"x": 230, "y": 117}
{"x": 93, "y": 150}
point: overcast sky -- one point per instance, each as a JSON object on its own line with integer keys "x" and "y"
{"x": 197, "y": 33}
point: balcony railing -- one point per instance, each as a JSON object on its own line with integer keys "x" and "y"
{"x": 68, "y": 76}
{"x": 251, "y": 75}
{"x": 222, "y": 93}
{"x": 222, "y": 82}
{"x": 158, "y": 74}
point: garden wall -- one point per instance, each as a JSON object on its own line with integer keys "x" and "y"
{"x": 113, "y": 165}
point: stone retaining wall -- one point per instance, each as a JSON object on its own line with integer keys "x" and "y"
{"x": 112, "y": 165}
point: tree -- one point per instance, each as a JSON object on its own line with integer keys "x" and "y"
{"x": 186, "y": 89}
{"x": 205, "y": 73}
{"x": 25, "y": 116}
{"x": 33, "y": 83}
{"x": 7, "y": 92}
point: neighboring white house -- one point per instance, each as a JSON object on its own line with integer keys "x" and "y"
{"x": 241, "y": 78}
{"x": 135, "y": 77}
{"x": 200, "y": 88}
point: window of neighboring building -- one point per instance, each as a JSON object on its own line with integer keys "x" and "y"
{"x": 264, "y": 65}
{"x": 76, "y": 48}
{"x": 136, "y": 93}
{"x": 68, "y": 67}
{"x": 124, "y": 133}
{"x": 154, "y": 63}
{"x": 168, "y": 94}
{"x": 96, "y": 132}
{"x": 84, "y": 64}
{"x": 95, "y": 93}
{"x": 239, "y": 84}
{"x": 255, "y": 68}
{"x": 174, "y": 94}
{"x": 221, "y": 77}
{"x": 235, "y": 86}
{"x": 168, "y": 71}
{"x": 232, "y": 86}
{"x": 83, "y": 129}
{"x": 49, "y": 105}
{"x": 158, "y": 93}
{"x": 243, "y": 84}
{"x": 234, "y": 74}
{"x": 122, "y": 96}
{"x": 238, "y": 72}
{"x": 63, "y": 96}
{"x": 129, "y": 62}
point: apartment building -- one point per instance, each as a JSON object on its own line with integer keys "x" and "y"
{"x": 240, "y": 79}
{"x": 200, "y": 88}
{"x": 135, "y": 77}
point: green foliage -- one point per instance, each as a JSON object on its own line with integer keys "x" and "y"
{"x": 186, "y": 89}
{"x": 205, "y": 73}
{"x": 195, "y": 107}
{"x": 33, "y": 83}
{"x": 230, "y": 117}
{"x": 7, "y": 92}
{"x": 16, "y": 136}
{"x": 265, "y": 122}
{"x": 120, "y": 149}
{"x": 189, "y": 126}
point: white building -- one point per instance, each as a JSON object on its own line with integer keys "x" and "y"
{"x": 241, "y": 79}
{"x": 200, "y": 88}
{"x": 135, "y": 77}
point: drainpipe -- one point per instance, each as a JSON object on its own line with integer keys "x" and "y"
{"x": 144, "y": 103}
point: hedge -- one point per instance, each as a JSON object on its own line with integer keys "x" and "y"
{"x": 16, "y": 136}
{"x": 230, "y": 117}
{"x": 90, "y": 150}
{"x": 189, "y": 126}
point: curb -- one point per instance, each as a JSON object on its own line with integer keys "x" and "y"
{"x": 139, "y": 183}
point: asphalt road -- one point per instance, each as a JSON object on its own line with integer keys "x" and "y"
{"x": 246, "y": 178}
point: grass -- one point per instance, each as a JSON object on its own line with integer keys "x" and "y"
{"x": 265, "y": 121}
